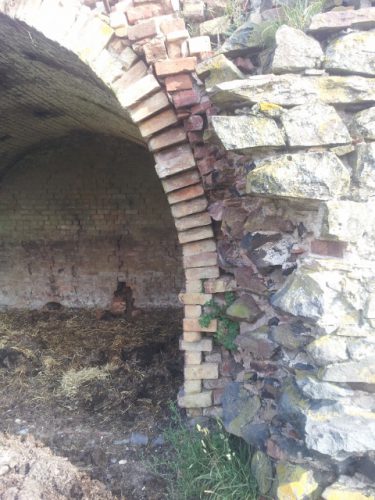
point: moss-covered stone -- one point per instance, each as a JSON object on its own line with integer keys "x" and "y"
{"x": 261, "y": 468}
{"x": 295, "y": 483}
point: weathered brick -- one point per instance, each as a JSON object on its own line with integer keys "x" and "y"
{"x": 174, "y": 160}
{"x": 178, "y": 82}
{"x": 218, "y": 396}
{"x": 186, "y": 193}
{"x": 202, "y": 371}
{"x": 193, "y": 286}
{"x": 184, "y": 98}
{"x": 220, "y": 285}
{"x": 122, "y": 5}
{"x": 158, "y": 122}
{"x": 196, "y": 247}
{"x": 192, "y": 221}
{"x": 140, "y": 12}
{"x": 193, "y": 358}
{"x": 155, "y": 50}
{"x": 170, "y": 25}
{"x": 202, "y": 273}
{"x": 196, "y": 401}
{"x": 135, "y": 73}
{"x": 194, "y": 123}
{"x": 189, "y": 207}
{"x": 194, "y": 298}
{"x": 192, "y": 386}
{"x": 149, "y": 106}
{"x": 328, "y": 248}
{"x": 192, "y": 311}
{"x": 139, "y": 90}
{"x": 193, "y": 325}
{"x": 195, "y": 137}
{"x": 179, "y": 35}
{"x": 194, "y": 11}
{"x": 180, "y": 181}
{"x": 199, "y": 44}
{"x": 142, "y": 30}
{"x": 172, "y": 136}
{"x": 195, "y": 234}
{"x": 174, "y": 49}
{"x": 191, "y": 337}
{"x": 206, "y": 165}
{"x": 173, "y": 66}
{"x": 200, "y": 260}
{"x": 117, "y": 20}
{"x": 202, "y": 345}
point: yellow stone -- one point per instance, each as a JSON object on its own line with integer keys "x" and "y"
{"x": 268, "y": 106}
{"x": 295, "y": 482}
{"x": 338, "y": 493}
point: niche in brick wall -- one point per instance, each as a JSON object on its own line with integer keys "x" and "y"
{"x": 80, "y": 214}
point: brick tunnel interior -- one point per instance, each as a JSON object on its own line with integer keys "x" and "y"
{"x": 90, "y": 267}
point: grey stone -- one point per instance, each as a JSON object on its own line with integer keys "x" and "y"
{"x": 257, "y": 343}
{"x": 329, "y": 22}
{"x": 244, "y": 308}
{"x": 316, "y": 292}
{"x": 291, "y": 404}
{"x": 239, "y": 408}
{"x": 344, "y": 220}
{"x": 360, "y": 372}
{"x": 272, "y": 254}
{"x": 328, "y": 349}
{"x": 359, "y": 349}
{"x": 243, "y": 39}
{"x": 242, "y": 133}
{"x": 256, "y": 434}
{"x": 139, "y": 439}
{"x": 365, "y": 169}
{"x": 313, "y": 175}
{"x": 261, "y": 468}
{"x": 352, "y": 53}
{"x": 295, "y": 51}
{"x": 363, "y": 124}
{"x": 313, "y": 388}
{"x": 338, "y": 430}
{"x": 349, "y": 487}
{"x": 293, "y": 90}
{"x": 314, "y": 124}
{"x": 218, "y": 69}
{"x": 291, "y": 335}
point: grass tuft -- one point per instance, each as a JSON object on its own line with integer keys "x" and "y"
{"x": 204, "y": 463}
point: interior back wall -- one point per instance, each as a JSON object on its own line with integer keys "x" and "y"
{"x": 79, "y": 214}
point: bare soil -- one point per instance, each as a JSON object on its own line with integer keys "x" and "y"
{"x": 96, "y": 392}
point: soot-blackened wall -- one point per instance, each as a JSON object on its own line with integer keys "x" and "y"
{"x": 79, "y": 214}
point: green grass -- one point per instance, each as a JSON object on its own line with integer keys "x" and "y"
{"x": 204, "y": 463}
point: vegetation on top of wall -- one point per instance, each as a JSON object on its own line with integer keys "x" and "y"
{"x": 204, "y": 463}
{"x": 227, "y": 329}
{"x": 296, "y": 14}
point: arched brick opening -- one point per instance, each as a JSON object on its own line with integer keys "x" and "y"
{"x": 130, "y": 87}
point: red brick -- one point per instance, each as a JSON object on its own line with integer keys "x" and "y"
{"x": 173, "y": 136}
{"x": 201, "y": 260}
{"x": 142, "y": 30}
{"x": 170, "y": 25}
{"x": 136, "y": 72}
{"x": 201, "y": 152}
{"x": 178, "y": 82}
{"x": 195, "y": 234}
{"x": 174, "y": 49}
{"x": 149, "y": 106}
{"x": 187, "y": 193}
{"x": 189, "y": 207}
{"x": 206, "y": 165}
{"x": 193, "y": 221}
{"x": 195, "y": 137}
{"x": 328, "y": 248}
{"x": 193, "y": 123}
{"x": 173, "y": 66}
{"x": 155, "y": 50}
{"x": 201, "y": 108}
{"x": 185, "y": 98}
{"x": 198, "y": 247}
{"x": 132, "y": 95}
{"x": 174, "y": 160}
{"x": 162, "y": 120}
{"x": 140, "y": 12}
{"x": 181, "y": 180}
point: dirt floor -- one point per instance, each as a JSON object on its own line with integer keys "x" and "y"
{"x": 95, "y": 391}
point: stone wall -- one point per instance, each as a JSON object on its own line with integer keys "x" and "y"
{"x": 77, "y": 216}
{"x": 277, "y": 143}
{"x": 289, "y": 164}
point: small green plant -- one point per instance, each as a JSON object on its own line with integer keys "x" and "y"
{"x": 296, "y": 14}
{"x": 227, "y": 329}
{"x": 203, "y": 463}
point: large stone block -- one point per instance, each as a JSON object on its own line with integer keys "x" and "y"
{"x": 345, "y": 220}
{"x": 363, "y": 124}
{"x": 242, "y": 133}
{"x": 239, "y": 408}
{"x": 365, "y": 169}
{"x": 314, "y": 124}
{"x": 360, "y": 372}
{"x": 218, "y": 69}
{"x": 293, "y": 90}
{"x": 352, "y": 53}
{"x": 328, "y": 22}
{"x": 314, "y": 175}
{"x": 244, "y": 308}
{"x": 295, "y": 51}
{"x": 349, "y": 488}
{"x": 328, "y": 349}
{"x": 295, "y": 482}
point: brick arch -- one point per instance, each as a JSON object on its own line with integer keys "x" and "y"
{"x": 142, "y": 52}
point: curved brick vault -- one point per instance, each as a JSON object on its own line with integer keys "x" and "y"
{"x": 133, "y": 78}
